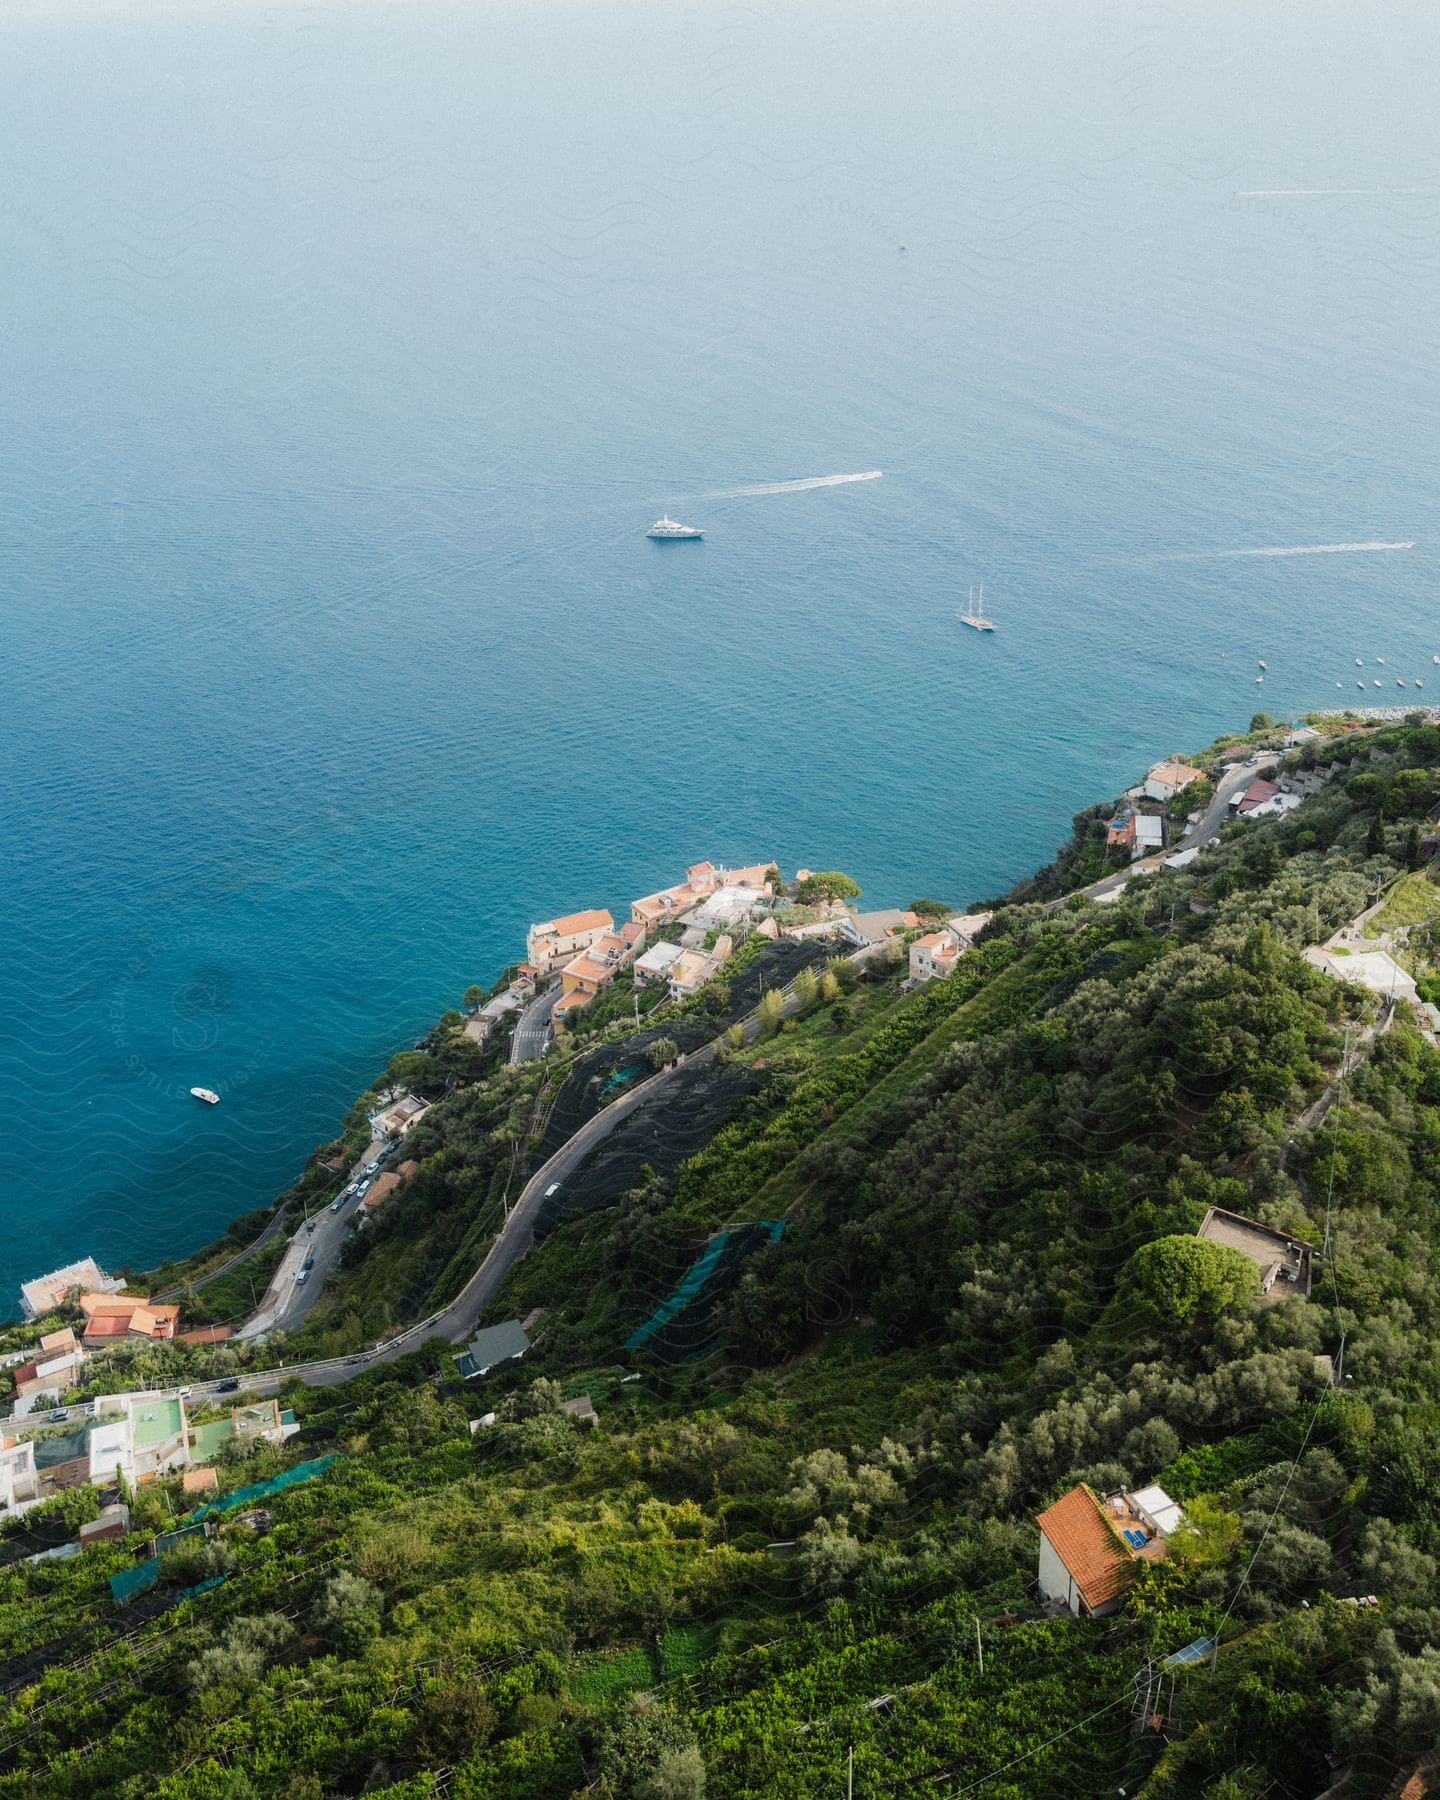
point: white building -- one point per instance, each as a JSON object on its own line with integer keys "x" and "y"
{"x": 656, "y": 962}
{"x": 1149, "y": 835}
{"x": 19, "y": 1482}
{"x": 938, "y": 953}
{"x": 397, "y": 1118}
{"x": 1167, "y": 779}
{"x": 1373, "y": 969}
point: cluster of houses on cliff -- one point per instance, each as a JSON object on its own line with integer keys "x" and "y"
{"x": 128, "y": 1439}
{"x": 47, "y": 1368}
{"x": 587, "y": 950}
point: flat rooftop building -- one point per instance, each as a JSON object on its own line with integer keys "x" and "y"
{"x": 1282, "y": 1262}
{"x": 48, "y": 1291}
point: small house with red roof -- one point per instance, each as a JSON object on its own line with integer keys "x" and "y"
{"x": 1089, "y": 1548}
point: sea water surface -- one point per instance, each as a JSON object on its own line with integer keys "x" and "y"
{"x": 349, "y": 348}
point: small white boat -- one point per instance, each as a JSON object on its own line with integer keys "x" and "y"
{"x": 1400, "y": 681}
{"x": 672, "y": 528}
{"x": 1359, "y": 684}
{"x": 1435, "y": 659}
{"x": 1360, "y": 661}
{"x": 1419, "y": 682}
{"x": 1377, "y": 682}
{"x": 1260, "y": 679}
{"x": 1264, "y": 664}
{"x": 1381, "y": 661}
{"x": 208, "y": 1095}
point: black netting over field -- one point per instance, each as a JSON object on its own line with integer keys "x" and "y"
{"x": 608, "y": 1070}
{"x": 685, "y": 1116}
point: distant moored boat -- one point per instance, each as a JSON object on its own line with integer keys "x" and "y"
{"x": 670, "y": 528}
{"x": 208, "y": 1095}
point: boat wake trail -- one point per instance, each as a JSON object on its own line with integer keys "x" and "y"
{"x": 1323, "y": 193}
{"x": 1294, "y": 550}
{"x": 791, "y": 487}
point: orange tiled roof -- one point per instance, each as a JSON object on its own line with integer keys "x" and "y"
{"x": 199, "y": 1481}
{"x": 110, "y": 1316}
{"x": 1088, "y": 1545}
{"x": 207, "y": 1334}
{"x": 384, "y": 1186}
{"x": 1176, "y": 774}
{"x": 408, "y": 1168}
{"x": 596, "y": 918}
{"x": 63, "y": 1339}
{"x": 585, "y": 968}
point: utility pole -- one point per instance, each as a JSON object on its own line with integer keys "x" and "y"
{"x": 979, "y": 1647}
{"x": 850, "y": 1776}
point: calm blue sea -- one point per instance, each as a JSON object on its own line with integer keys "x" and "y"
{"x": 348, "y": 349}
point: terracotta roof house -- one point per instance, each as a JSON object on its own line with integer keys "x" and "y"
{"x": 1167, "y": 779}
{"x": 569, "y": 1004}
{"x": 207, "y": 1334}
{"x": 1255, "y": 795}
{"x": 938, "y": 953}
{"x": 551, "y": 943}
{"x": 598, "y": 966}
{"x": 109, "y": 1317}
{"x": 64, "y": 1339}
{"x": 381, "y": 1189}
{"x": 408, "y": 1168}
{"x": 1089, "y": 1547}
{"x": 934, "y": 956}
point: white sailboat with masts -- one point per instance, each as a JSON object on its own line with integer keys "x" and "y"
{"x": 973, "y": 618}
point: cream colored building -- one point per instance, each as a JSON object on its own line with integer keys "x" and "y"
{"x": 552, "y": 943}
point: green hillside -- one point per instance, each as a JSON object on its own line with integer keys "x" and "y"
{"x": 936, "y": 1264}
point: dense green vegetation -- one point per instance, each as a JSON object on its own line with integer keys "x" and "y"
{"x": 801, "y": 1545}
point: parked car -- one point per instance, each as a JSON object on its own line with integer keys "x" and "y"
{"x": 309, "y": 1262}
{"x": 373, "y": 1168}
{"x": 184, "y": 1393}
{"x": 554, "y": 1188}
{"x": 302, "y": 1277}
{"x": 59, "y": 1413}
{"x": 335, "y": 1205}
{"x": 229, "y": 1385}
{"x": 363, "y": 1189}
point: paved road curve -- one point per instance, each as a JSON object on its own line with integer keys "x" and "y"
{"x": 532, "y": 1028}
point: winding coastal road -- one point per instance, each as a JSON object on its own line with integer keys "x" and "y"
{"x": 458, "y": 1321}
